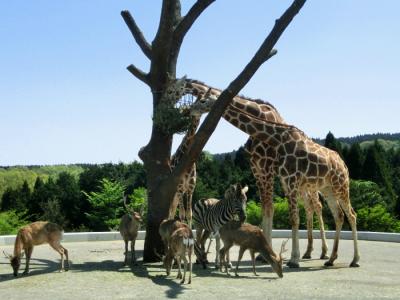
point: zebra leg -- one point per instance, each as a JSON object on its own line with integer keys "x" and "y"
{"x": 217, "y": 248}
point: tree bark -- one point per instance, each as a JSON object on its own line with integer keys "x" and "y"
{"x": 163, "y": 53}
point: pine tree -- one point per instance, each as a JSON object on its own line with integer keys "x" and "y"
{"x": 376, "y": 169}
{"x": 354, "y": 161}
{"x": 69, "y": 198}
{"x": 333, "y": 144}
{"x": 34, "y": 204}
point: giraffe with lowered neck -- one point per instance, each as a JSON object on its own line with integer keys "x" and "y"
{"x": 303, "y": 166}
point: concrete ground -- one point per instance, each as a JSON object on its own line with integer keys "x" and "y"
{"x": 97, "y": 273}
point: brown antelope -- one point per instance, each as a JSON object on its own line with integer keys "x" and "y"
{"x": 34, "y": 234}
{"x": 181, "y": 243}
{"x": 250, "y": 237}
{"x": 167, "y": 227}
{"x": 129, "y": 227}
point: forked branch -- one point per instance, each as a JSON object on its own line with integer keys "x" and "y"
{"x": 188, "y": 20}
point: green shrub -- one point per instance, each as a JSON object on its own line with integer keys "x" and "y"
{"x": 138, "y": 201}
{"x": 253, "y": 211}
{"x": 376, "y": 218}
{"x": 281, "y": 214}
{"x": 11, "y": 222}
{"x": 106, "y": 205}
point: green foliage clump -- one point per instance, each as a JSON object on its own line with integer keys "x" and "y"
{"x": 11, "y": 221}
{"x": 253, "y": 212}
{"x": 138, "y": 202}
{"x": 106, "y": 205}
{"x": 171, "y": 119}
{"x": 365, "y": 193}
{"x": 376, "y": 218}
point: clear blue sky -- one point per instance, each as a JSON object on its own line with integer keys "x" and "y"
{"x": 66, "y": 97}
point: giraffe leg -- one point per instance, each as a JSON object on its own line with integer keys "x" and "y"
{"x": 294, "y": 218}
{"x": 338, "y": 217}
{"x": 189, "y": 196}
{"x": 351, "y": 217}
{"x": 182, "y": 212}
{"x": 264, "y": 175}
{"x": 309, "y": 215}
{"x": 318, "y": 210}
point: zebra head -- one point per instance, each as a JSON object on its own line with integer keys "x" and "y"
{"x": 237, "y": 199}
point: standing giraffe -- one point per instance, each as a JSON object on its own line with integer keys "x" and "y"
{"x": 188, "y": 181}
{"x": 302, "y": 165}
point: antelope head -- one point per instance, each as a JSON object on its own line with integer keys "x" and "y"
{"x": 133, "y": 214}
{"x": 15, "y": 262}
{"x": 278, "y": 267}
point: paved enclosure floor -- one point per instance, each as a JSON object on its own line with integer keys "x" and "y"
{"x": 97, "y": 273}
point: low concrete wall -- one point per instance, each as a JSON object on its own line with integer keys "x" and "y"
{"x": 114, "y": 235}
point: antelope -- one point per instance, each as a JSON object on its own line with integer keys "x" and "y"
{"x": 181, "y": 243}
{"x": 167, "y": 227}
{"x": 250, "y": 237}
{"x": 34, "y": 234}
{"x": 129, "y": 227}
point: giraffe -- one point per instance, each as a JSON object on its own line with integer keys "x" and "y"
{"x": 303, "y": 166}
{"x": 268, "y": 158}
{"x": 187, "y": 183}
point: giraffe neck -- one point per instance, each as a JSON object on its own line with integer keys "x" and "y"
{"x": 186, "y": 141}
{"x": 257, "y": 118}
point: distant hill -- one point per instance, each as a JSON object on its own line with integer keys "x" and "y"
{"x": 385, "y": 138}
{"x": 14, "y": 177}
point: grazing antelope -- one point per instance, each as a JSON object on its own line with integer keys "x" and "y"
{"x": 209, "y": 215}
{"x": 34, "y": 234}
{"x": 129, "y": 227}
{"x": 250, "y": 237}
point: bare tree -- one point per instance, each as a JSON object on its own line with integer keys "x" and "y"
{"x": 163, "y": 53}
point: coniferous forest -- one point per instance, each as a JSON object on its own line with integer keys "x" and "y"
{"x": 88, "y": 197}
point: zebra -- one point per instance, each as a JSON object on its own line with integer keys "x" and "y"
{"x": 209, "y": 215}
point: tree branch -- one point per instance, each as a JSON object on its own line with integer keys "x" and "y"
{"x": 272, "y": 53}
{"x": 137, "y": 33}
{"x": 187, "y": 21}
{"x": 139, "y": 74}
{"x": 210, "y": 123}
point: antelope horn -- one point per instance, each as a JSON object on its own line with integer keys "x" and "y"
{"x": 6, "y": 255}
{"x": 141, "y": 211}
{"x": 283, "y": 249}
{"x": 128, "y": 209}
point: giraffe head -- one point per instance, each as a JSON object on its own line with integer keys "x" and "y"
{"x": 206, "y": 97}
